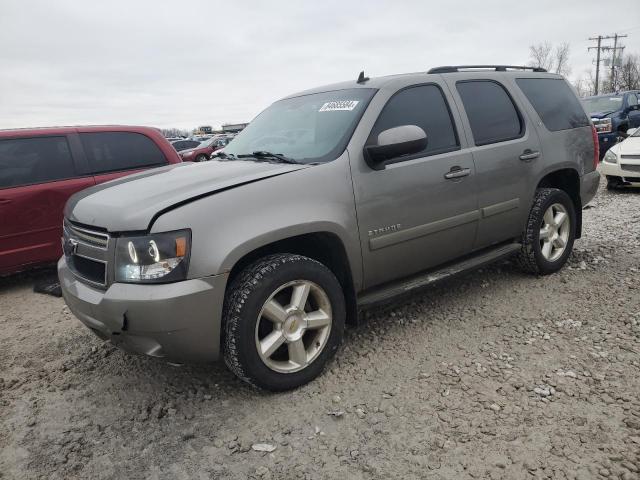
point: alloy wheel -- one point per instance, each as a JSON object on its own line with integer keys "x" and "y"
{"x": 554, "y": 232}
{"x": 293, "y": 326}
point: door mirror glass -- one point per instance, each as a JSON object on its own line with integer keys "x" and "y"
{"x": 395, "y": 142}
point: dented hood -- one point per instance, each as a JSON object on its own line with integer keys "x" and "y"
{"x": 133, "y": 202}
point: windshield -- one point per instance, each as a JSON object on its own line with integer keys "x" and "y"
{"x": 309, "y": 129}
{"x": 603, "y": 104}
{"x": 636, "y": 133}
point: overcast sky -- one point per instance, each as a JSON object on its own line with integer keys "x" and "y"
{"x": 189, "y": 63}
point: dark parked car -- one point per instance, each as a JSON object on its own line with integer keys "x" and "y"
{"x": 183, "y": 144}
{"x": 41, "y": 168}
{"x": 613, "y": 115}
{"x": 203, "y": 150}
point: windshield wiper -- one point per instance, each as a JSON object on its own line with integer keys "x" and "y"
{"x": 277, "y": 157}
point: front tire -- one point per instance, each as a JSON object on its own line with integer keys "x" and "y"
{"x": 283, "y": 321}
{"x": 548, "y": 238}
{"x": 613, "y": 183}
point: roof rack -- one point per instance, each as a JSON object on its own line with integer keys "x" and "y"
{"x": 497, "y": 68}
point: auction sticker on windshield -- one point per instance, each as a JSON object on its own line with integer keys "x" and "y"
{"x": 344, "y": 105}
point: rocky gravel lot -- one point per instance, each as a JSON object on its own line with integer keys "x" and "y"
{"x": 492, "y": 375}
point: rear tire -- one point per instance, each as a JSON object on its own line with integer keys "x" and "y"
{"x": 201, "y": 158}
{"x": 548, "y": 238}
{"x": 283, "y": 321}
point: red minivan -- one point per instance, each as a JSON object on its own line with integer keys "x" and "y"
{"x": 41, "y": 168}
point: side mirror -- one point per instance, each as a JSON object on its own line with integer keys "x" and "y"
{"x": 631, "y": 131}
{"x": 393, "y": 143}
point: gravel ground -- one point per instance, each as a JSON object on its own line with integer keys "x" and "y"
{"x": 492, "y": 375}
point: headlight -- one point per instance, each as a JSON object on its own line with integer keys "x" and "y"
{"x": 603, "y": 125}
{"x": 156, "y": 258}
{"x": 610, "y": 157}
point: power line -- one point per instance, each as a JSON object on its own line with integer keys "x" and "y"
{"x": 600, "y": 47}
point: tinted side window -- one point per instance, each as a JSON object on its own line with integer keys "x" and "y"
{"x": 490, "y": 110}
{"x": 424, "y": 106}
{"x": 25, "y": 161}
{"x": 632, "y": 100}
{"x": 112, "y": 151}
{"x": 555, "y": 102}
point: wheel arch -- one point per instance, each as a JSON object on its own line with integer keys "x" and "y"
{"x": 323, "y": 246}
{"x": 568, "y": 180}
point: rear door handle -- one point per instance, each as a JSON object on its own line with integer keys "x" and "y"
{"x": 457, "y": 172}
{"x": 529, "y": 155}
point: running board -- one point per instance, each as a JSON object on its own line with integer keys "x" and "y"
{"x": 389, "y": 291}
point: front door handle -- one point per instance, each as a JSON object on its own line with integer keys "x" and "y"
{"x": 529, "y": 155}
{"x": 457, "y": 172}
{"x": 4, "y": 201}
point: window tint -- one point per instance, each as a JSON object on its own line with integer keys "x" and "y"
{"x": 112, "y": 151}
{"x": 424, "y": 106}
{"x": 26, "y": 161}
{"x": 555, "y": 102}
{"x": 492, "y": 114}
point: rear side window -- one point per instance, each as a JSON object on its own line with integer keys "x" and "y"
{"x": 555, "y": 102}
{"x": 426, "y": 107}
{"x": 492, "y": 115}
{"x": 113, "y": 151}
{"x": 25, "y": 161}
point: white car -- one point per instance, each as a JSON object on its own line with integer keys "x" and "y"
{"x": 621, "y": 163}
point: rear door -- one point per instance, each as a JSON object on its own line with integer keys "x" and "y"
{"x": 505, "y": 150}
{"x": 37, "y": 176}
{"x": 114, "y": 154}
{"x": 414, "y": 214}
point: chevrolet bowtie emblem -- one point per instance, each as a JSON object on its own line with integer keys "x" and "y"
{"x": 70, "y": 246}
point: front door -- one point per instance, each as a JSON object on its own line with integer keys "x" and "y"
{"x": 421, "y": 210}
{"x": 633, "y": 106}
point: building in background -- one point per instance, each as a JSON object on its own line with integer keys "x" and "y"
{"x": 203, "y": 130}
{"x": 233, "y": 127}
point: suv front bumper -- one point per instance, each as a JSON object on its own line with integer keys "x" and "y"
{"x": 178, "y": 321}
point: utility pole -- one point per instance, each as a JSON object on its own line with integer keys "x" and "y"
{"x": 600, "y": 47}
{"x": 599, "y": 39}
{"x": 613, "y": 59}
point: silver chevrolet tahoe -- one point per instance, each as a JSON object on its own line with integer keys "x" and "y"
{"x": 331, "y": 199}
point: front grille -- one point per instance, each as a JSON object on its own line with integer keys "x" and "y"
{"x": 630, "y": 157}
{"x": 87, "y": 253}
{"x": 630, "y": 168}
{"x": 88, "y": 269}
{"x": 91, "y": 237}
{"x": 631, "y": 179}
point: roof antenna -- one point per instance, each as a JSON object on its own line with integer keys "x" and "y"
{"x": 362, "y": 78}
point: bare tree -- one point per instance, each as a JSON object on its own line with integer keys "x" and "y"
{"x": 540, "y": 55}
{"x": 585, "y": 84}
{"x": 562, "y": 59}
{"x": 628, "y": 75}
{"x": 551, "y": 59}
